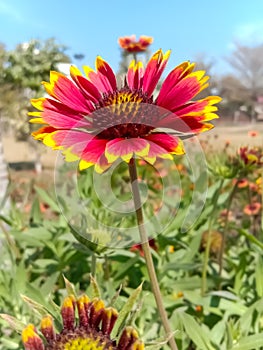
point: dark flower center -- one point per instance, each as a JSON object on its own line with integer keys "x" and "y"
{"x": 124, "y": 113}
{"x": 79, "y": 339}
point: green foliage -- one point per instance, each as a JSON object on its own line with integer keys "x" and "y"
{"x": 21, "y": 71}
{"x": 208, "y": 308}
{"x": 32, "y": 62}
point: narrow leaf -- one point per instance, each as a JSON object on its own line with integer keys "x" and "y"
{"x": 94, "y": 287}
{"x": 13, "y": 322}
{"x": 70, "y": 287}
{"x": 125, "y": 311}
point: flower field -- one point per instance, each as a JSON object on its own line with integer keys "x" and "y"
{"x": 210, "y": 273}
{"x": 144, "y": 230}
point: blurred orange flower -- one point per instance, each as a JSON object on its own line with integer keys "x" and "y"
{"x": 242, "y": 183}
{"x": 130, "y": 44}
{"x": 252, "y": 133}
{"x": 252, "y": 209}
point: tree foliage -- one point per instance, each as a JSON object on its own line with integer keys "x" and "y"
{"x": 245, "y": 84}
{"x": 247, "y": 62}
{"x": 30, "y": 63}
{"x": 21, "y": 73}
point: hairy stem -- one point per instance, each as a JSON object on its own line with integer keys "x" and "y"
{"x": 147, "y": 253}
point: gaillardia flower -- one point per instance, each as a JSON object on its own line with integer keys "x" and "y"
{"x": 251, "y": 156}
{"x": 130, "y": 44}
{"x": 92, "y": 120}
{"x": 91, "y": 332}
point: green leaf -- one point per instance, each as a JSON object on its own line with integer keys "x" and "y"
{"x": 250, "y": 342}
{"x": 159, "y": 343}
{"x": 218, "y": 332}
{"x": 35, "y": 213}
{"x": 38, "y": 308}
{"x": 35, "y": 236}
{"x": 6, "y": 220}
{"x": 246, "y": 319}
{"x": 47, "y": 199}
{"x": 259, "y": 276}
{"x": 9, "y": 344}
{"x": 195, "y": 332}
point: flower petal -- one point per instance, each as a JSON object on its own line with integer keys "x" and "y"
{"x": 167, "y": 144}
{"x": 57, "y": 115}
{"x": 173, "y": 78}
{"x": 64, "y": 120}
{"x": 188, "y": 124}
{"x": 64, "y": 90}
{"x": 31, "y": 339}
{"x": 184, "y": 90}
{"x": 99, "y": 80}
{"x": 88, "y": 88}
{"x": 199, "y": 107}
{"x": 154, "y": 70}
{"x": 41, "y": 133}
{"x": 135, "y": 75}
{"x": 104, "y": 68}
{"x": 126, "y": 149}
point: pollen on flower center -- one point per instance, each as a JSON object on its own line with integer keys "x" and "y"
{"x": 129, "y": 109}
{"x": 124, "y": 95}
{"x": 79, "y": 340}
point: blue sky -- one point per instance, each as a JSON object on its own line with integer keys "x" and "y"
{"x": 92, "y": 27}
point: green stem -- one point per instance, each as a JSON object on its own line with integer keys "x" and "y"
{"x": 93, "y": 264}
{"x": 224, "y": 233}
{"x": 106, "y": 268}
{"x": 206, "y": 258}
{"x": 208, "y": 243}
{"x": 147, "y": 253}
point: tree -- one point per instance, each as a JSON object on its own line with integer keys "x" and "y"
{"x": 247, "y": 63}
{"x": 31, "y": 62}
{"x": 3, "y": 166}
{"x": 206, "y": 64}
{"x": 24, "y": 69}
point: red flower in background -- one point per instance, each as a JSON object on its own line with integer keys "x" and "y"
{"x": 138, "y": 247}
{"x": 251, "y": 156}
{"x": 92, "y": 120}
{"x": 130, "y": 44}
{"x": 253, "y": 133}
{"x": 252, "y": 209}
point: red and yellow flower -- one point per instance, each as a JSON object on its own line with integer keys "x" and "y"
{"x": 92, "y": 120}
{"x": 130, "y": 44}
{"x": 91, "y": 331}
{"x": 251, "y": 156}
